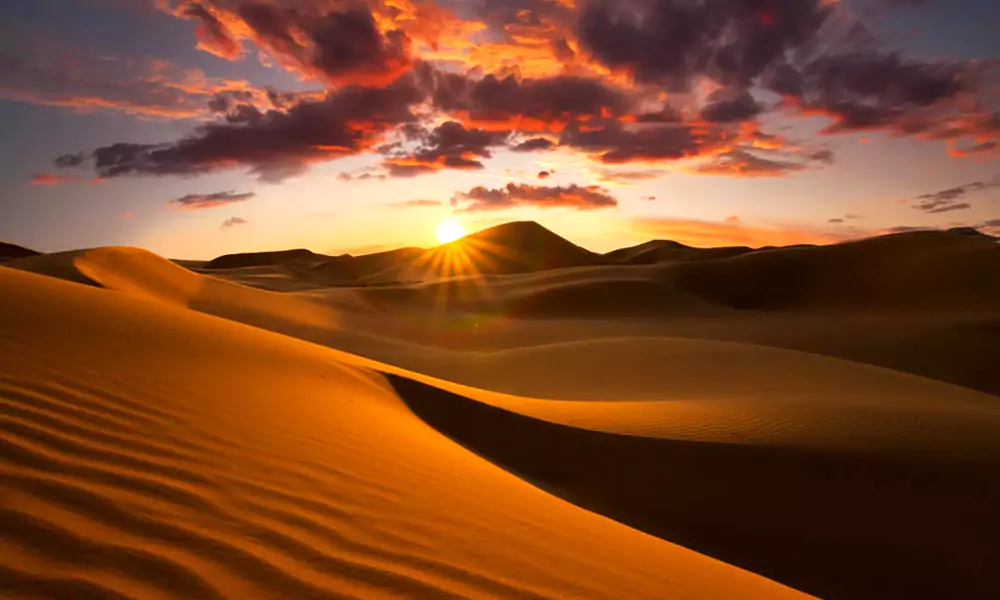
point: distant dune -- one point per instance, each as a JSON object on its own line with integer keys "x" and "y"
{"x": 299, "y": 257}
{"x": 929, "y": 270}
{"x": 10, "y": 251}
{"x": 520, "y": 247}
{"x": 666, "y": 251}
{"x": 506, "y": 416}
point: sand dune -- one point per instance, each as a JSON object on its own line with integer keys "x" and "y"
{"x": 10, "y": 251}
{"x": 667, "y": 251}
{"x": 299, "y": 256}
{"x": 929, "y": 270}
{"x": 506, "y": 435}
{"x": 519, "y": 247}
{"x": 253, "y": 465}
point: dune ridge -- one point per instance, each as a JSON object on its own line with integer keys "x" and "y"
{"x": 10, "y": 251}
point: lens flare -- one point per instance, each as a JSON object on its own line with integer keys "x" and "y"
{"x": 449, "y": 231}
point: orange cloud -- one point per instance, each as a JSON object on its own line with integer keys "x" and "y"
{"x": 53, "y": 179}
{"x": 734, "y": 232}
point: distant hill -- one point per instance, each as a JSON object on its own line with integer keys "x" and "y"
{"x": 347, "y": 268}
{"x": 664, "y": 251}
{"x": 299, "y": 257}
{"x": 518, "y": 247}
{"x": 11, "y": 251}
{"x": 930, "y": 269}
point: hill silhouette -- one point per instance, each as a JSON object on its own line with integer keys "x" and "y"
{"x": 507, "y": 249}
{"x": 662, "y": 251}
{"x": 11, "y": 251}
{"x": 298, "y": 257}
{"x": 928, "y": 269}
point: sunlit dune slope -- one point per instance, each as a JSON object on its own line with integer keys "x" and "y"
{"x": 929, "y": 270}
{"x": 153, "y": 452}
{"x": 10, "y": 251}
{"x": 145, "y": 275}
{"x": 518, "y": 247}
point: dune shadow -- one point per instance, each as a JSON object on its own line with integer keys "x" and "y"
{"x": 841, "y": 526}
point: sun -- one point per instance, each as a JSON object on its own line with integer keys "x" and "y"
{"x": 449, "y": 231}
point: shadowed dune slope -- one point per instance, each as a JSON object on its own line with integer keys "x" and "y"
{"x": 519, "y": 247}
{"x": 666, "y": 251}
{"x": 153, "y": 452}
{"x": 10, "y": 251}
{"x": 929, "y": 270}
{"x": 842, "y": 522}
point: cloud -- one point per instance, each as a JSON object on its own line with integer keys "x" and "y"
{"x": 733, "y": 232}
{"x": 741, "y": 163}
{"x": 339, "y": 43}
{"x": 205, "y": 201}
{"x": 214, "y": 36}
{"x": 273, "y": 144}
{"x": 53, "y": 179}
{"x": 618, "y": 143}
{"x": 527, "y": 104}
{"x": 515, "y": 195}
{"x": 728, "y": 106}
{"x": 814, "y": 53}
{"x": 38, "y": 70}
{"x": 444, "y": 85}
{"x": 544, "y": 174}
{"x": 415, "y": 204}
{"x": 233, "y": 222}
{"x": 992, "y": 227}
{"x": 947, "y": 200}
{"x": 534, "y": 145}
{"x": 448, "y": 146}
{"x": 627, "y": 177}
{"x": 845, "y": 218}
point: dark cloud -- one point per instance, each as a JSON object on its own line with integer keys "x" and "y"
{"x": 448, "y": 146}
{"x": 948, "y": 200}
{"x": 534, "y": 145}
{"x": 213, "y": 35}
{"x": 729, "y": 106}
{"x": 527, "y": 104}
{"x": 544, "y": 174}
{"x": 741, "y": 163}
{"x": 205, "y": 201}
{"x": 230, "y": 100}
{"x": 516, "y": 195}
{"x": 670, "y": 42}
{"x": 272, "y": 144}
{"x": 618, "y": 143}
{"x": 821, "y": 63}
{"x": 233, "y": 222}
{"x": 837, "y": 221}
{"x": 343, "y": 46}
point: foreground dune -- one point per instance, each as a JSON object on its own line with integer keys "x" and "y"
{"x": 154, "y": 452}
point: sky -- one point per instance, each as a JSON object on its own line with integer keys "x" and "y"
{"x": 200, "y": 128}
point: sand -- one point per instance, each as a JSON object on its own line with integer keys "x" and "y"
{"x": 594, "y": 431}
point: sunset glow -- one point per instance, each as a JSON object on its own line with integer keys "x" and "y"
{"x": 449, "y": 231}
